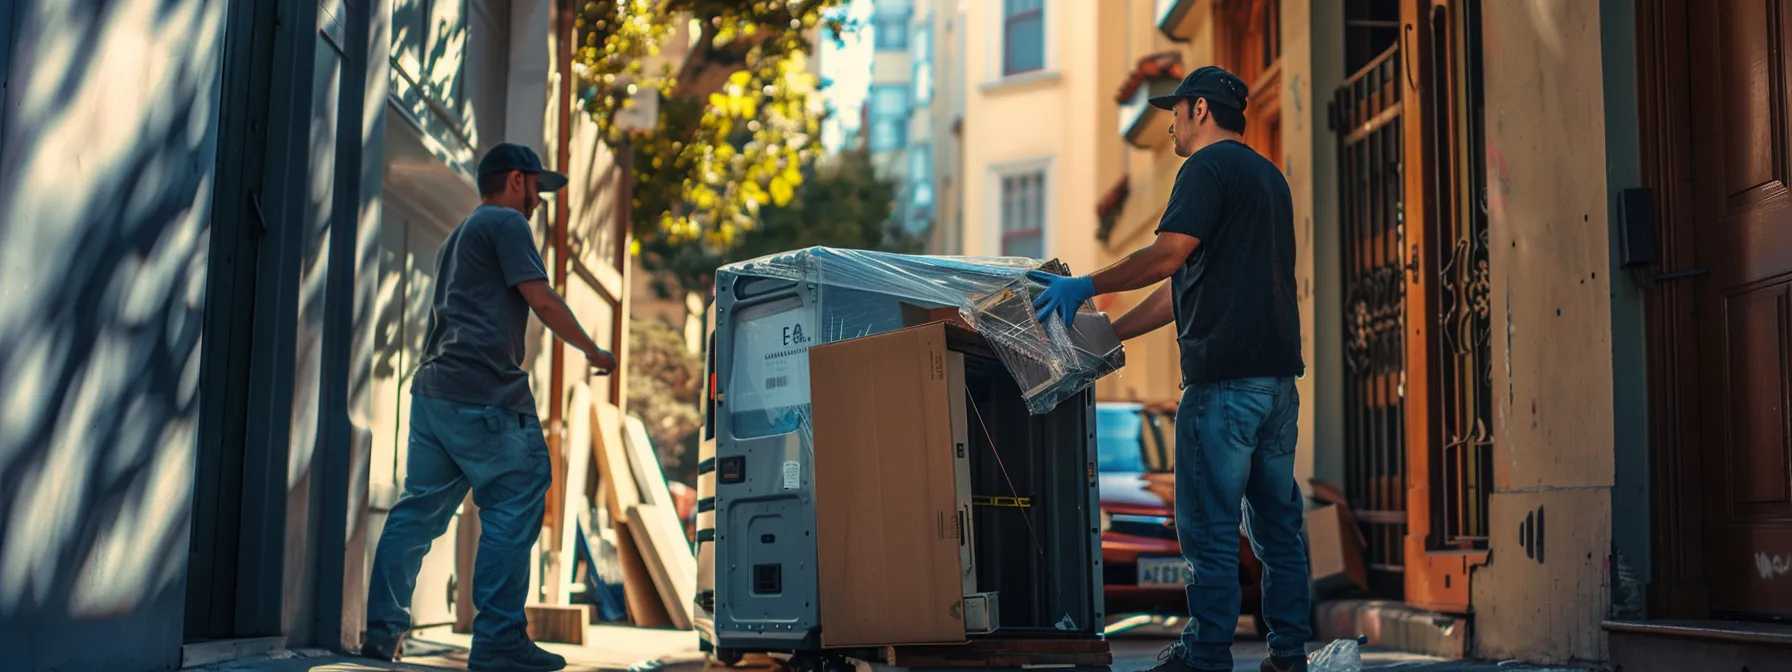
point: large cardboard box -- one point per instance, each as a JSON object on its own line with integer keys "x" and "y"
{"x": 886, "y": 518}
{"x": 1334, "y": 551}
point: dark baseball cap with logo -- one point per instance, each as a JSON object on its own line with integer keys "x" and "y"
{"x": 506, "y": 157}
{"x": 1211, "y": 82}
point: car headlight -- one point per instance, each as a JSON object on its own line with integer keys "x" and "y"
{"x": 1107, "y": 521}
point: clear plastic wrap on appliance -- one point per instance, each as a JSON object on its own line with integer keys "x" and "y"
{"x": 862, "y": 292}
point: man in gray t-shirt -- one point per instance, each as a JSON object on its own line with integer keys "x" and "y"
{"x": 473, "y": 420}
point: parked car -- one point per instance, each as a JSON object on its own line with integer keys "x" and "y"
{"x": 1142, "y": 563}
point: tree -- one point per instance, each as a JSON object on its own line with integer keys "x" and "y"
{"x": 737, "y": 119}
{"x": 842, "y": 203}
{"x": 664, "y": 383}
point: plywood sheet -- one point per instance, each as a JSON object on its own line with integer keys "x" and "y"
{"x": 560, "y": 623}
{"x": 614, "y": 465}
{"x": 645, "y": 608}
{"x": 645, "y": 464}
{"x": 578, "y": 448}
{"x": 662, "y": 543}
{"x": 619, "y": 489}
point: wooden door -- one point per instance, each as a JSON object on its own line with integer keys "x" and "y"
{"x": 1742, "y": 309}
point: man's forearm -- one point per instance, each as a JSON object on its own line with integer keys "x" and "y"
{"x": 1138, "y": 270}
{"x": 558, "y": 317}
{"x": 1150, "y": 315}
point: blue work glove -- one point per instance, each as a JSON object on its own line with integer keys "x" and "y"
{"x": 1062, "y": 295}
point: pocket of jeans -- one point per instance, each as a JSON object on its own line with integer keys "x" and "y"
{"x": 1246, "y": 407}
{"x": 1254, "y": 385}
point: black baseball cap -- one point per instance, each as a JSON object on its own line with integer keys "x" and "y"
{"x": 1211, "y": 82}
{"x": 506, "y": 157}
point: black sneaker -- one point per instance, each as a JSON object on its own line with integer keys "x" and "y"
{"x": 379, "y": 648}
{"x": 1290, "y": 664}
{"x": 524, "y": 656}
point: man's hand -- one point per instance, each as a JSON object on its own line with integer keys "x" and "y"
{"x": 1062, "y": 295}
{"x": 602, "y": 361}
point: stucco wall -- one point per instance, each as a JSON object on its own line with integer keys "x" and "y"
{"x": 1544, "y": 591}
{"x": 1039, "y": 119}
{"x": 106, "y": 178}
{"x": 1299, "y": 140}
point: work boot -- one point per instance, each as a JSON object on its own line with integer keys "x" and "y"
{"x": 1289, "y": 664}
{"x": 523, "y": 656}
{"x": 382, "y": 649}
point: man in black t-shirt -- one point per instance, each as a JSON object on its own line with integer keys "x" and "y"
{"x": 1226, "y": 245}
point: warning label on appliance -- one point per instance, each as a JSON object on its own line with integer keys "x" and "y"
{"x": 771, "y": 365}
{"x": 793, "y": 475}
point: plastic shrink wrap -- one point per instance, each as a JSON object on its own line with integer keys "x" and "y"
{"x": 862, "y": 293}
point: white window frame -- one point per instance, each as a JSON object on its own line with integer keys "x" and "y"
{"x": 995, "y": 36}
{"x": 992, "y": 201}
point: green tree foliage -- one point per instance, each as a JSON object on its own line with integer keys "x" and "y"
{"x": 664, "y": 382}
{"x": 737, "y": 119}
{"x": 843, "y": 203}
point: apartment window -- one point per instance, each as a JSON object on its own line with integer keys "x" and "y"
{"x": 888, "y": 134}
{"x": 892, "y": 32}
{"x": 1023, "y": 36}
{"x": 1023, "y": 215}
{"x": 889, "y": 100}
{"x": 920, "y": 174}
{"x": 923, "y": 57}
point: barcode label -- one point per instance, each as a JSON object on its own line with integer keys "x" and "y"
{"x": 777, "y": 382}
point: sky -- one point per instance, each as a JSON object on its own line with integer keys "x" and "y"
{"x": 849, "y": 67}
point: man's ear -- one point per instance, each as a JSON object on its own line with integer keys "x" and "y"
{"x": 519, "y": 181}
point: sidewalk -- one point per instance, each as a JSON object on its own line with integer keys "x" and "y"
{"x": 431, "y": 650}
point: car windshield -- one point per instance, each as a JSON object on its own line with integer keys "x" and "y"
{"x": 1117, "y": 433}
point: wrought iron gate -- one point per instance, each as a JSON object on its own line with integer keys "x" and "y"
{"x": 1367, "y": 113}
{"x": 1462, "y": 340}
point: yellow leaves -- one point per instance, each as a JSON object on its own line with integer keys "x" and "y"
{"x": 706, "y": 171}
{"x": 752, "y": 192}
{"x": 782, "y": 191}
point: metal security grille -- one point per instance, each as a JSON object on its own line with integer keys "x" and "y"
{"x": 1367, "y": 114}
{"x": 1463, "y": 390}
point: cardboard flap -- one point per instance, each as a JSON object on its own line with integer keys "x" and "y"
{"x": 885, "y": 511}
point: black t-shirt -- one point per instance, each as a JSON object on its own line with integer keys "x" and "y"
{"x": 1236, "y": 315}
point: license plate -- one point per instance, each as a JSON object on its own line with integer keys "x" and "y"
{"x": 1164, "y": 573}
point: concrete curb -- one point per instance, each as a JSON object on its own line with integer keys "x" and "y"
{"x": 1393, "y": 625}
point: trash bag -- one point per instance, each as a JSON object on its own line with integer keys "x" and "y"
{"x": 1343, "y": 655}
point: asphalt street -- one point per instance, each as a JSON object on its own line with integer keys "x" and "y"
{"x": 1133, "y": 654}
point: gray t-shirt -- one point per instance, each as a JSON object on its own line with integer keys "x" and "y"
{"x": 473, "y": 352}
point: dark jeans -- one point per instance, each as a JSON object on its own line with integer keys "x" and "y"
{"x": 503, "y": 457}
{"x": 1235, "y": 443}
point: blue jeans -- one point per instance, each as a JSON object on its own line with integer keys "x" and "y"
{"x": 1235, "y": 443}
{"x": 502, "y": 456}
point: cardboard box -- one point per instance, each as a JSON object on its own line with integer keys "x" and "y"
{"x": 914, "y": 316}
{"x": 886, "y": 519}
{"x": 1333, "y": 551}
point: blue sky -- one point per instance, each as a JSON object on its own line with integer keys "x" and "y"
{"x": 849, "y": 67}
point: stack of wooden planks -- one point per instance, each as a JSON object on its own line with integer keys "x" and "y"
{"x": 659, "y": 570}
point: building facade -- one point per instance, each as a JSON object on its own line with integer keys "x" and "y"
{"x": 892, "y": 130}
{"x": 1033, "y": 86}
{"x": 1558, "y": 415}
{"x": 211, "y": 379}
